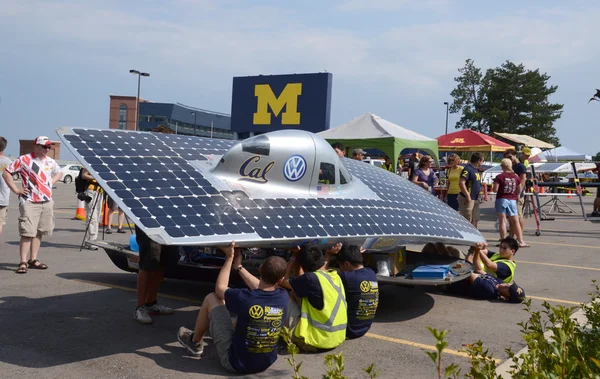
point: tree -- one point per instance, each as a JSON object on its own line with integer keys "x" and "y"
{"x": 469, "y": 98}
{"x": 509, "y": 99}
{"x": 596, "y": 157}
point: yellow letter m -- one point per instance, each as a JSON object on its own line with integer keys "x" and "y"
{"x": 288, "y": 98}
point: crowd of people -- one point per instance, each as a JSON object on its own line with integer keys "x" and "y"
{"x": 463, "y": 185}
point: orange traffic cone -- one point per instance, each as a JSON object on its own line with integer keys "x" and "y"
{"x": 569, "y": 192}
{"x": 80, "y": 213}
{"x": 542, "y": 190}
{"x": 105, "y": 214}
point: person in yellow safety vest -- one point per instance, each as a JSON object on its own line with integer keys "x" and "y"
{"x": 502, "y": 264}
{"x": 318, "y": 310}
{"x": 387, "y": 164}
{"x": 525, "y": 154}
{"x": 93, "y": 207}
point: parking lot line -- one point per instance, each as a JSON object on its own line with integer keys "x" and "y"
{"x": 559, "y": 265}
{"x": 420, "y": 345}
{"x": 550, "y": 300}
{"x": 495, "y": 236}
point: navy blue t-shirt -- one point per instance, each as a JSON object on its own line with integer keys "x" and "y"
{"x": 473, "y": 180}
{"x": 520, "y": 169}
{"x": 307, "y": 285}
{"x": 362, "y": 297}
{"x": 484, "y": 287}
{"x": 503, "y": 270}
{"x": 260, "y": 315}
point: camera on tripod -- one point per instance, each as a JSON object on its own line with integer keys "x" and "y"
{"x": 83, "y": 197}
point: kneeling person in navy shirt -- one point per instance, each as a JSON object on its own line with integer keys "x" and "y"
{"x": 251, "y": 345}
{"x": 362, "y": 291}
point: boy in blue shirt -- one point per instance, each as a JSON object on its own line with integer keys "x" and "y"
{"x": 251, "y": 345}
{"x": 362, "y": 291}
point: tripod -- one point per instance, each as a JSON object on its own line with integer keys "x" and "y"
{"x": 91, "y": 216}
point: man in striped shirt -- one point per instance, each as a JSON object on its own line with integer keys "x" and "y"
{"x": 38, "y": 174}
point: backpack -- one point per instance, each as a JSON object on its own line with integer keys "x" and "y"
{"x": 80, "y": 183}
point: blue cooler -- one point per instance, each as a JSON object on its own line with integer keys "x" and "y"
{"x": 133, "y": 245}
{"x": 431, "y": 272}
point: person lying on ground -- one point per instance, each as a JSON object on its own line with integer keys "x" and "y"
{"x": 318, "y": 312}
{"x": 251, "y": 345}
{"x": 483, "y": 286}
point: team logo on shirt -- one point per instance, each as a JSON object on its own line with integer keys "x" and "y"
{"x": 276, "y": 323}
{"x": 365, "y": 286}
{"x": 256, "y": 311}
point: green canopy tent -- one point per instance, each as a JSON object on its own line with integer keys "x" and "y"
{"x": 373, "y": 132}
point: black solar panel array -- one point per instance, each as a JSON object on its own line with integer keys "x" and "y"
{"x": 151, "y": 174}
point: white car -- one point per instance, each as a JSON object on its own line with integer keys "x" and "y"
{"x": 374, "y": 161}
{"x": 70, "y": 172}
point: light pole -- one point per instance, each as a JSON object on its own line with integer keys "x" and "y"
{"x": 447, "y": 105}
{"x": 194, "y": 114}
{"x": 137, "y": 105}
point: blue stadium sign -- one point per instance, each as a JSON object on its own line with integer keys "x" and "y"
{"x": 268, "y": 103}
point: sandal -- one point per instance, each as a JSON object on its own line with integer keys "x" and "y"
{"x": 38, "y": 266}
{"x": 121, "y": 231}
{"x": 522, "y": 246}
{"x": 22, "y": 268}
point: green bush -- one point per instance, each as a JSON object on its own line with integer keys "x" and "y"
{"x": 557, "y": 346}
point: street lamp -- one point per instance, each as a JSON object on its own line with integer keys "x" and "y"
{"x": 447, "y": 105}
{"x": 194, "y": 114}
{"x": 137, "y": 108}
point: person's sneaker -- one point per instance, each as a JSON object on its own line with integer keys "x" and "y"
{"x": 91, "y": 247}
{"x": 184, "y": 336}
{"x": 158, "y": 309}
{"x": 108, "y": 231}
{"x": 141, "y": 316}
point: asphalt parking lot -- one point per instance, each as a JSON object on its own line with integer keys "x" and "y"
{"x": 76, "y": 318}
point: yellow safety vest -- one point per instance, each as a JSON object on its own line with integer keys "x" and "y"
{"x": 512, "y": 265}
{"x": 94, "y": 186}
{"x": 389, "y": 167}
{"x": 325, "y": 329}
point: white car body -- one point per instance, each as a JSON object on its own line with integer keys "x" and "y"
{"x": 374, "y": 162}
{"x": 70, "y": 172}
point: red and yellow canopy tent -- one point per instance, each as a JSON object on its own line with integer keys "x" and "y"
{"x": 470, "y": 140}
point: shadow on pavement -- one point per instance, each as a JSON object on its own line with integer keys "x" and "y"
{"x": 398, "y": 303}
{"x": 58, "y": 330}
{"x": 49, "y": 244}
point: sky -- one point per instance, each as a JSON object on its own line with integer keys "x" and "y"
{"x": 60, "y": 59}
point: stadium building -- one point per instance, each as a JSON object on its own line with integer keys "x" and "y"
{"x": 168, "y": 117}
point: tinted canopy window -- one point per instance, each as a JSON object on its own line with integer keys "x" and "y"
{"x": 258, "y": 145}
{"x": 327, "y": 173}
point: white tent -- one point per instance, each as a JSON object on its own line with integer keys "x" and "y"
{"x": 565, "y": 154}
{"x": 371, "y": 131}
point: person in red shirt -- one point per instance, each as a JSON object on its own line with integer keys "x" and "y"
{"x": 38, "y": 174}
{"x": 507, "y": 186}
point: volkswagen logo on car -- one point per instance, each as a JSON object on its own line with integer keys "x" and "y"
{"x": 294, "y": 168}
